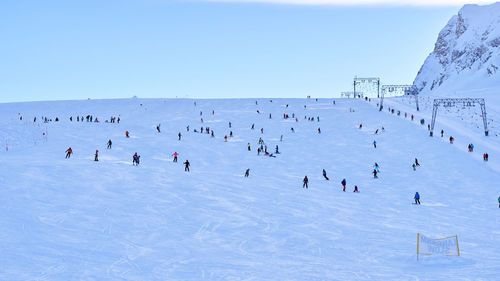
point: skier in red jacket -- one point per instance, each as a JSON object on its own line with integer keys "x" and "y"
{"x": 175, "y": 156}
{"x": 69, "y": 151}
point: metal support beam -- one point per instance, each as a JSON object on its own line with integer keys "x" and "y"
{"x": 465, "y": 102}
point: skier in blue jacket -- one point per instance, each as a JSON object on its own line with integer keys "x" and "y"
{"x": 417, "y": 198}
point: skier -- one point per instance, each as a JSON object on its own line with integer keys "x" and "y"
{"x": 324, "y": 175}
{"x": 69, "y": 151}
{"x": 187, "y": 128}
{"x": 360, "y": 126}
{"x": 343, "y": 182}
{"x": 248, "y": 147}
{"x": 417, "y": 198}
{"x": 158, "y": 128}
{"x": 375, "y": 144}
{"x": 277, "y": 150}
{"x": 414, "y": 166}
{"x": 485, "y": 157}
{"x": 498, "y": 201}
{"x": 179, "y": 135}
{"x": 356, "y": 189}
{"x": 319, "y": 130}
{"x": 306, "y": 180}
{"x": 109, "y": 144}
{"x": 375, "y": 174}
{"x": 376, "y": 167}
{"x": 451, "y": 139}
{"x": 175, "y": 156}
{"x": 212, "y": 134}
{"x": 281, "y": 138}
{"x": 412, "y": 117}
{"x": 442, "y": 132}
{"x": 293, "y": 131}
{"x": 96, "y": 155}
{"x": 229, "y": 124}
{"x": 261, "y": 130}
{"x": 127, "y": 134}
{"x": 253, "y": 126}
{"x": 186, "y": 167}
{"x": 138, "y": 160}
{"x": 376, "y": 132}
{"x": 416, "y": 162}
{"x": 225, "y": 138}
{"x": 247, "y": 173}
{"x": 134, "y": 159}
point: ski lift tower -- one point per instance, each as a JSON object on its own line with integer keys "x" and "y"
{"x": 365, "y": 84}
{"x": 413, "y": 92}
{"x": 464, "y": 102}
{"x": 394, "y": 90}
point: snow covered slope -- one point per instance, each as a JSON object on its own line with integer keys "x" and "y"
{"x": 76, "y": 219}
{"x": 466, "y": 55}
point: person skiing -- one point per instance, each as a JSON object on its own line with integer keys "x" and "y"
{"x": 281, "y": 138}
{"x": 109, "y": 144}
{"x": 96, "y": 155}
{"x": 248, "y": 147}
{"x": 179, "y": 135}
{"x": 225, "y": 138}
{"x": 360, "y": 126}
{"x": 187, "y": 128}
{"x": 451, "y": 139}
{"x": 376, "y": 167}
{"x": 69, "y": 151}
{"x": 442, "y": 132}
{"x": 374, "y": 144}
{"x": 212, "y": 135}
{"x": 412, "y": 117}
{"x": 253, "y": 126}
{"x": 230, "y": 134}
{"x": 324, "y": 175}
{"x": 375, "y": 174}
{"x": 127, "y": 134}
{"x": 138, "y": 160}
{"x": 319, "y": 130}
{"x": 258, "y": 150}
{"x": 229, "y": 124}
{"x": 356, "y": 189}
{"x": 158, "y": 128}
{"x": 417, "y": 198}
{"x": 134, "y": 159}
{"x": 498, "y": 201}
{"x": 261, "y": 130}
{"x": 376, "y": 132}
{"x": 414, "y": 166}
{"x": 186, "y": 167}
{"x": 277, "y": 150}
{"x": 343, "y": 182}
{"x": 485, "y": 156}
{"x": 247, "y": 173}
{"x": 306, "y": 181}
{"x": 416, "y": 162}
{"x": 175, "y": 156}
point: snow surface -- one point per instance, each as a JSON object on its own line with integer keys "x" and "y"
{"x": 76, "y": 219}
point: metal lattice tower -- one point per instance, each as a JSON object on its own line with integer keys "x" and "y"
{"x": 398, "y": 89}
{"x": 413, "y": 92}
{"x": 465, "y": 102}
{"x": 364, "y": 85}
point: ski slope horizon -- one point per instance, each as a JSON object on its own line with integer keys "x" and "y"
{"x": 67, "y": 219}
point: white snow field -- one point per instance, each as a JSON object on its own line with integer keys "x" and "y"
{"x": 76, "y": 219}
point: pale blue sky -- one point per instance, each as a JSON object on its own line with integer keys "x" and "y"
{"x": 160, "y": 48}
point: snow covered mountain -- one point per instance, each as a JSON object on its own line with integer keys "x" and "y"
{"x": 466, "y": 56}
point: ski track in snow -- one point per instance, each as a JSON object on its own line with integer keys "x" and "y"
{"x": 76, "y": 219}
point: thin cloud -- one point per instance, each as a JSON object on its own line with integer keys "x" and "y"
{"x": 366, "y": 2}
